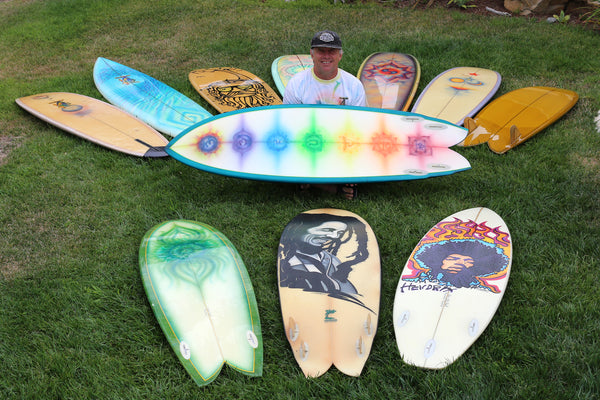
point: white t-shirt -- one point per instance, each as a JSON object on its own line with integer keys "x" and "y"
{"x": 306, "y": 88}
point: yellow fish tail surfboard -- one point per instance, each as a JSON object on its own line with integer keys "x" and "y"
{"x": 329, "y": 287}
{"x": 518, "y": 115}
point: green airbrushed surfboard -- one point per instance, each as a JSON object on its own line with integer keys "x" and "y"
{"x": 203, "y": 299}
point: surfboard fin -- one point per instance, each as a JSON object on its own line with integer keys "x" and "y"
{"x": 515, "y": 136}
{"x": 368, "y": 326}
{"x": 470, "y": 124}
{"x": 502, "y": 145}
{"x": 293, "y": 330}
{"x": 360, "y": 347}
{"x": 303, "y": 351}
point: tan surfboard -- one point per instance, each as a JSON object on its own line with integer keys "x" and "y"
{"x": 96, "y": 121}
{"x": 457, "y": 93}
{"x": 329, "y": 288}
{"x": 229, "y": 89}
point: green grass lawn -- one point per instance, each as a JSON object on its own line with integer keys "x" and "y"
{"x": 75, "y": 322}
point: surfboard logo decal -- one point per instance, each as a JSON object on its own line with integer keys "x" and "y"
{"x": 460, "y": 254}
{"x": 458, "y": 83}
{"x": 66, "y": 106}
{"x": 328, "y": 317}
{"x": 126, "y": 80}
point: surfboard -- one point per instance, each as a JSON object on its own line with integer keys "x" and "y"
{"x": 228, "y": 88}
{"x": 284, "y": 67}
{"x": 321, "y": 144}
{"x": 451, "y": 287}
{"x": 390, "y": 80}
{"x": 516, "y": 116}
{"x": 457, "y": 93}
{"x": 329, "y": 287}
{"x": 152, "y": 101}
{"x": 202, "y": 297}
{"x": 96, "y": 121}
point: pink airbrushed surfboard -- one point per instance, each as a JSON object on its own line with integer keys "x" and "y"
{"x": 321, "y": 144}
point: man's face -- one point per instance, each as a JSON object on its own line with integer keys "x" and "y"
{"x": 326, "y": 61}
{"x": 321, "y": 234}
{"x": 456, "y": 263}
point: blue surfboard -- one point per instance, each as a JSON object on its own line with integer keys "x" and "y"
{"x": 150, "y": 100}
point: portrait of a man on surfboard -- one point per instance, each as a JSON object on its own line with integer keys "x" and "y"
{"x": 311, "y": 254}
{"x": 460, "y": 263}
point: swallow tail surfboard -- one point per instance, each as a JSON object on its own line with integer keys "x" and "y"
{"x": 451, "y": 287}
{"x": 321, "y": 144}
{"x": 516, "y": 116}
{"x": 152, "y": 101}
{"x": 390, "y": 80}
{"x": 329, "y": 288}
{"x": 96, "y": 121}
{"x": 457, "y": 93}
{"x": 228, "y": 88}
{"x": 284, "y": 67}
{"x": 203, "y": 299}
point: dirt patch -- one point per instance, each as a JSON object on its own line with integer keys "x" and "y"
{"x": 7, "y": 144}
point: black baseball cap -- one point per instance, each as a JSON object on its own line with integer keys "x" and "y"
{"x": 326, "y": 39}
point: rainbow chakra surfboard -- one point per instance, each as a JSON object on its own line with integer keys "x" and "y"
{"x": 451, "y": 287}
{"x": 150, "y": 100}
{"x": 516, "y": 116}
{"x": 228, "y": 88}
{"x": 321, "y": 144}
{"x": 390, "y": 80}
{"x": 203, "y": 299}
{"x": 329, "y": 287}
{"x": 96, "y": 121}
{"x": 284, "y": 67}
{"x": 457, "y": 93}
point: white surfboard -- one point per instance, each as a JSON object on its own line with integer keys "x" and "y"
{"x": 451, "y": 287}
